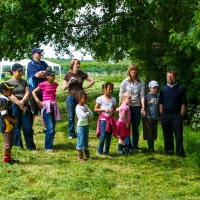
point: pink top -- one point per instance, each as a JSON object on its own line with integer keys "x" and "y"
{"x": 127, "y": 114}
{"x": 48, "y": 90}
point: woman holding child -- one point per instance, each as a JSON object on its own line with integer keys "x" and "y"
{"x": 134, "y": 86}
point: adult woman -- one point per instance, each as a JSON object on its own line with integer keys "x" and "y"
{"x": 73, "y": 81}
{"x": 133, "y": 85}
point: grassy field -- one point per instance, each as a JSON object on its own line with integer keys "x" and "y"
{"x": 41, "y": 175}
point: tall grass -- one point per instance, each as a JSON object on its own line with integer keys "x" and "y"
{"x": 40, "y": 175}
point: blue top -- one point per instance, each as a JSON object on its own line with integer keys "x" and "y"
{"x": 172, "y": 98}
{"x": 32, "y": 69}
{"x": 152, "y": 108}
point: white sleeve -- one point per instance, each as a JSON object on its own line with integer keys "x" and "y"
{"x": 88, "y": 109}
{"x": 80, "y": 112}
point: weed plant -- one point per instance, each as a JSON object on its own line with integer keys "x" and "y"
{"x": 141, "y": 175}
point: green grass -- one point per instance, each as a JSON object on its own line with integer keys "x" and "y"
{"x": 40, "y": 175}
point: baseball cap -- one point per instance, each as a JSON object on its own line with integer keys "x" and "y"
{"x": 6, "y": 86}
{"x": 17, "y": 66}
{"x": 36, "y": 50}
{"x": 153, "y": 84}
{"x": 50, "y": 72}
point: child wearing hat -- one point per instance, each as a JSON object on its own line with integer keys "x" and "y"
{"x": 7, "y": 121}
{"x": 21, "y": 108}
{"x": 151, "y": 115}
{"x": 49, "y": 108}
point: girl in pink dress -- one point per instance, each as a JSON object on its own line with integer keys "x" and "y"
{"x": 123, "y": 123}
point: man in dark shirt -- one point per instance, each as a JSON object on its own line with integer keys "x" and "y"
{"x": 36, "y": 74}
{"x": 172, "y": 105}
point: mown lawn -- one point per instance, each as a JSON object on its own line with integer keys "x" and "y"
{"x": 41, "y": 175}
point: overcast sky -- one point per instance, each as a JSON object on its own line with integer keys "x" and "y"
{"x": 50, "y": 53}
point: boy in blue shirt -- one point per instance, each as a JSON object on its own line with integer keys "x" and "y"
{"x": 151, "y": 115}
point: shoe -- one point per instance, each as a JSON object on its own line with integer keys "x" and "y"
{"x": 49, "y": 150}
{"x": 107, "y": 156}
{"x": 12, "y": 161}
{"x": 121, "y": 152}
{"x": 70, "y": 137}
{"x": 44, "y": 131}
{"x": 138, "y": 149}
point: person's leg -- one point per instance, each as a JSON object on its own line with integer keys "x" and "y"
{"x": 17, "y": 128}
{"x": 50, "y": 131}
{"x": 27, "y": 130}
{"x": 178, "y": 131}
{"x": 166, "y": 123}
{"x": 71, "y": 105}
{"x": 86, "y": 137}
{"x": 102, "y": 136}
{"x": 107, "y": 143}
{"x": 135, "y": 121}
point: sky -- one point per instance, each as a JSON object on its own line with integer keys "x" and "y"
{"x": 50, "y": 53}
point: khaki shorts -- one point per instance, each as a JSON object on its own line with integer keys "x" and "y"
{"x": 8, "y": 140}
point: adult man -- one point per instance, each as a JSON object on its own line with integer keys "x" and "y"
{"x": 172, "y": 105}
{"x": 36, "y": 74}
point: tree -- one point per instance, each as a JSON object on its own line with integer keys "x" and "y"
{"x": 109, "y": 29}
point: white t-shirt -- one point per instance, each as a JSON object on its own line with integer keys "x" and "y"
{"x": 83, "y": 113}
{"x": 106, "y": 103}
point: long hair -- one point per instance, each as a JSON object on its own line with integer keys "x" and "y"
{"x": 71, "y": 64}
{"x": 133, "y": 67}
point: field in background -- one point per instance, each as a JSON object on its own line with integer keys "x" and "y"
{"x": 41, "y": 175}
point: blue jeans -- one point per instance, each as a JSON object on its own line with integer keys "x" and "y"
{"x": 104, "y": 137}
{"x": 83, "y": 134}
{"x": 24, "y": 123}
{"x": 135, "y": 122}
{"x": 71, "y": 105}
{"x": 50, "y": 125}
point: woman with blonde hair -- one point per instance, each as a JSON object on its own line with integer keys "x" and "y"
{"x": 134, "y": 86}
{"x": 73, "y": 82}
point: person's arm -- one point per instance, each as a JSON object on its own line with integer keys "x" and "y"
{"x": 33, "y": 71}
{"x": 89, "y": 110}
{"x": 143, "y": 104}
{"x": 124, "y": 118}
{"x": 10, "y": 119}
{"x": 81, "y": 112}
{"x": 36, "y": 98}
{"x": 183, "y": 108}
{"x": 91, "y": 82}
{"x": 161, "y": 108}
{"x": 26, "y": 97}
{"x": 14, "y": 99}
{"x": 40, "y": 74}
{"x": 66, "y": 84}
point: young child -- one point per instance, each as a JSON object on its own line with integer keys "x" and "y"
{"x": 123, "y": 123}
{"x": 83, "y": 113}
{"x": 21, "y": 108}
{"x": 7, "y": 121}
{"x": 49, "y": 108}
{"x": 151, "y": 115}
{"x": 106, "y": 125}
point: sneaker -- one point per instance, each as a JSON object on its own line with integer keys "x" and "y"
{"x": 12, "y": 161}
{"x": 121, "y": 152}
{"x": 70, "y": 137}
{"x": 49, "y": 150}
{"x": 107, "y": 156}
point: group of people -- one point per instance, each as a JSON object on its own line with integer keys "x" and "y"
{"x": 20, "y": 102}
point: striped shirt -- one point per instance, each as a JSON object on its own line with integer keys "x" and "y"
{"x": 48, "y": 90}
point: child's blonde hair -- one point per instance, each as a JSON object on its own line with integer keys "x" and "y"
{"x": 124, "y": 96}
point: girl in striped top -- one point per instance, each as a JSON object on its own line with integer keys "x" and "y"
{"x": 49, "y": 108}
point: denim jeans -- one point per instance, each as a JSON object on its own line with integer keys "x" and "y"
{"x": 104, "y": 138}
{"x": 83, "y": 134}
{"x": 24, "y": 123}
{"x": 71, "y": 105}
{"x": 135, "y": 122}
{"x": 50, "y": 125}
